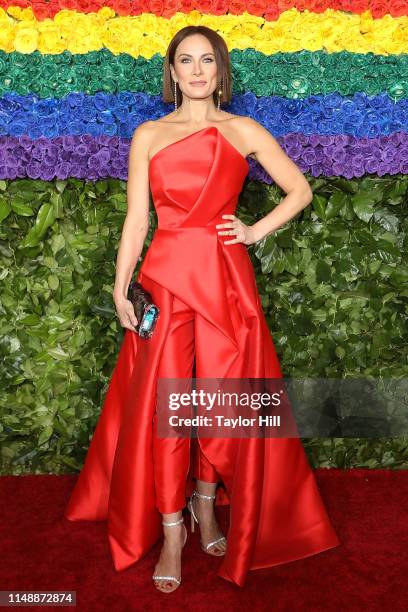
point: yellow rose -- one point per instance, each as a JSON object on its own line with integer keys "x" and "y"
{"x": 95, "y": 40}
{"x": 105, "y": 13}
{"x": 290, "y": 45}
{"x": 148, "y": 22}
{"x": 114, "y": 42}
{"x": 214, "y": 22}
{"x": 47, "y": 27}
{"x": 7, "y": 39}
{"x": 26, "y": 40}
{"x": 277, "y": 34}
{"x": 27, "y": 14}
{"x": 366, "y": 22}
{"x": 400, "y": 36}
{"x": 250, "y": 30}
{"x": 15, "y": 12}
{"x": 178, "y": 21}
{"x": 248, "y": 18}
{"x": 149, "y": 50}
{"x": 65, "y": 17}
{"x": 193, "y": 18}
{"x": 65, "y": 34}
{"x": 50, "y": 43}
{"x": 238, "y": 42}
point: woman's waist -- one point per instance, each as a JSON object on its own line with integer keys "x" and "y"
{"x": 191, "y": 243}
{"x": 209, "y": 229}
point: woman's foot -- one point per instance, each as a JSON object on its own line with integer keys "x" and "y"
{"x": 209, "y": 528}
{"x": 169, "y": 563}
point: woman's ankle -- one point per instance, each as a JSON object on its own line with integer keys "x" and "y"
{"x": 206, "y": 488}
{"x": 173, "y": 533}
{"x": 172, "y": 517}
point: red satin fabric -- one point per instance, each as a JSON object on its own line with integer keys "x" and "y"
{"x": 276, "y": 512}
{"x": 171, "y": 456}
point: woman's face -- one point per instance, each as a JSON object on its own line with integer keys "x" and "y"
{"x": 195, "y": 68}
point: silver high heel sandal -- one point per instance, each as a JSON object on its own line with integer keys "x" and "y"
{"x": 171, "y": 578}
{"x": 195, "y": 519}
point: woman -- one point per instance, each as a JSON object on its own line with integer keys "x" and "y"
{"x": 211, "y": 323}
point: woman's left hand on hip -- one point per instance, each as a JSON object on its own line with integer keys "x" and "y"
{"x": 241, "y": 232}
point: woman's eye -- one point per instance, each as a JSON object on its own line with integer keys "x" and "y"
{"x": 210, "y": 59}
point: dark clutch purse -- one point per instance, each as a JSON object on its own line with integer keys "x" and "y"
{"x": 145, "y": 310}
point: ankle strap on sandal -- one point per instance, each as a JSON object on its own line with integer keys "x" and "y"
{"x": 202, "y": 496}
{"x": 174, "y": 523}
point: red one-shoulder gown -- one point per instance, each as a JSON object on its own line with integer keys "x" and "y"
{"x": 276, "y": 511}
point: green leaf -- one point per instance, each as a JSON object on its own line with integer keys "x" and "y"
{"x": 22, "y": 209}
{"x": 340, "y": 352}
{"x": 336, "y": 202}
{"x": 53, "y": 281}
{"x": 323, "y": 272}
{"x": 5, "y": 209}
{"x": 45, "y": 218}
{"x": 319, "y": 205}
{"x": 58, "y": 353}
{"x": 45, "y": 435}
{"x": 31, "y": 319}
{"x": 363, "y": 205}
{"x": 399, "y": 277}
{"x": 388, "y": 220}
{"x": 57, "y": 243}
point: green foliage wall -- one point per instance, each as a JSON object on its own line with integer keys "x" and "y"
{"x": 333, "y": 283}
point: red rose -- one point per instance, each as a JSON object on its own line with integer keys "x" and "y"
{"x": 318, "y": 6}
{"x": 236, "y": 7}
{"x": 286, "y": 5}
{"x": 220, "y": 7}
{"x": 170, "y": 8}
{"x": 272, "y": 13}
{"x": 355, "y": 6}
{"x": 186, "y": 6}
{"x": 257, "y": 7}
{"x": 40, "y": 9}
{"x": 378, "y": 8}
{"x": 205, "y": 6}
{"x": 398, "y": 8}
{"x": 157, "y": 7}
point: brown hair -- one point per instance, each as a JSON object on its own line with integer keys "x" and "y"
{"x": 222, "y": 59}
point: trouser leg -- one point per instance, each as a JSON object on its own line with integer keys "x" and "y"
{"x": 209, "y": 361}
{"x": 171, "y": 456}
{"x": 203, "y": 469}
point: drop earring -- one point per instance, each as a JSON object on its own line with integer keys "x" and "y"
{"x": 175, "y": 95}
{"x": 219, "y": 96}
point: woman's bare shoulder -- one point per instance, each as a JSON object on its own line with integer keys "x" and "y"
{"x": 145, "y": 132}
{"x": 143, "y": 137}
{"x": 248, "y": 125}
{"x": 169, "y": 118}
{"x": 143, "y": 129}
{"x": 245, "y": 129}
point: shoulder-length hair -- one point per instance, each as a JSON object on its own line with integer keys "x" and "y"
{"x": 222, "y": 59}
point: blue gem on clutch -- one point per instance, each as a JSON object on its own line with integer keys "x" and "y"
{"x": 148, "y": 321}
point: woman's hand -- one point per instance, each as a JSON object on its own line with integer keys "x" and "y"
{"x": 126, "y": 313}
{"x": 243, "y": 233}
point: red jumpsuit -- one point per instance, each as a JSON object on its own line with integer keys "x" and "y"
{"x": 210, "y": 308}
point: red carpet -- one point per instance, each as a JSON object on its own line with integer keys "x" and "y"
{"x": 41, "y": 550}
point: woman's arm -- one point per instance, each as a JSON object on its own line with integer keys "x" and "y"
{"x": 284, "y": 172}
{"x": 135, "y": 227}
